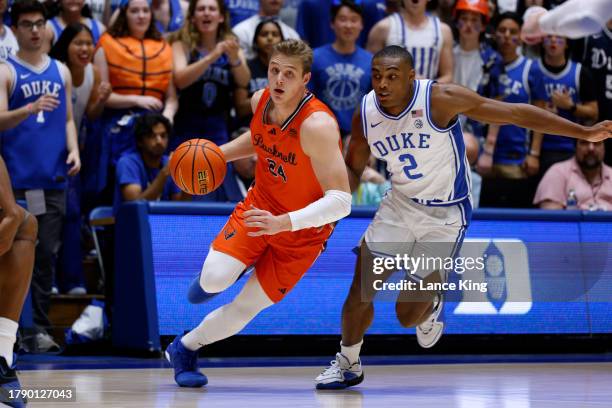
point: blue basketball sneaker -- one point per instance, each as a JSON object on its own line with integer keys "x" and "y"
{"x": 9, "y": 385}
{"x": 185, "y": 363}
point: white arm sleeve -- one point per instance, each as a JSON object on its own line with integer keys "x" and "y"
{"x": 577, "y": 18}
{"x": 334, "y": 205}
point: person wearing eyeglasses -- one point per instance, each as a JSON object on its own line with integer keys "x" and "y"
{"x": 569, "y": 94}
{"x": 39, "y": 144}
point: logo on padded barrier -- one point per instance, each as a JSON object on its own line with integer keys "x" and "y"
{"x": 506, "y": 272}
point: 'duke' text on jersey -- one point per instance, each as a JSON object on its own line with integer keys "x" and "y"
{"x": 402, "y": 141}
{"x": 43, "y": 87}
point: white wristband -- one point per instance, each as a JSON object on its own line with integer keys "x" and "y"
{"x": 334, "y": 205}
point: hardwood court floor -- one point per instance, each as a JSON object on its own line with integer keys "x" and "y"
{"x": 557, "y": 385}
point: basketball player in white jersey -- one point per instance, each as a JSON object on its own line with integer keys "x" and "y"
{"x": 413, "y": 126}
{"x": 429, "y": 40}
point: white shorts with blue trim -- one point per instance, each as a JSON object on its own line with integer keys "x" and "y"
{"x": 402, "y": 226}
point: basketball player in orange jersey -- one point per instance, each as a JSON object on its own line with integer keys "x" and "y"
{"x": 301, "y": 187}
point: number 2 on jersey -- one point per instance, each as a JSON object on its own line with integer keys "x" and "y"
{"x": 411, "y": 165}
{"x": 276, "y": 171}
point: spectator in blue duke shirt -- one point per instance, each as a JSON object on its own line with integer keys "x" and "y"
{"x": 144, "y": 175}
{"x": 341, "y": 70}
{"x": 512, "y": 153}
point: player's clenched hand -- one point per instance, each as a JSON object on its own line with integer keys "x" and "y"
{"x": 267, "y": 223}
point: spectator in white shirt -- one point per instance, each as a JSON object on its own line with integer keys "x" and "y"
{"x": 245, "y": 31}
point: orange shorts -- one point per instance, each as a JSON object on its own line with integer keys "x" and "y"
{"x": 280, "y": 260}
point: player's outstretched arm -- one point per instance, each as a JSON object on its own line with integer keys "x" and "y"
{"x": 451, "y": 100}
{"x": 358, "y": 152}
{"x": 320, "y": 139}
{"x": 11, "y": 215}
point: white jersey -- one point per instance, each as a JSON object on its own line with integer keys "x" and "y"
{"x": 427, "y": 164}
{"x": 8, "y": 44}
{"x": 425, "y": 44}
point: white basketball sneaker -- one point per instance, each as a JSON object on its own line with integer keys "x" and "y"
{"x": 429, "y": 332}
{"x": 340, "y": 374}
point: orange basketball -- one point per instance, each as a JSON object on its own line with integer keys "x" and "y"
{"x": 198, "y": 166}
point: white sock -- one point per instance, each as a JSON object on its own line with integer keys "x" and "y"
{"x": 8, "y": 336}
{"x": 351, "y": 352}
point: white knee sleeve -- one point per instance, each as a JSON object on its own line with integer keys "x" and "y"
{"x": 219, "y": 271}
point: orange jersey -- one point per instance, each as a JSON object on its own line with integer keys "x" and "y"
{"x": 138, "y": 67}
{"x": 284, "y": 178}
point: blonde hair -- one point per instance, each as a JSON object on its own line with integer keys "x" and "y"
{"x": 189, "y": 34}
{"x": 295, "y": 48}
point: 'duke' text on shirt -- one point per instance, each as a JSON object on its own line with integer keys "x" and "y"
{"x": 44, "y": 87}
{"x": 394, "y": 143}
